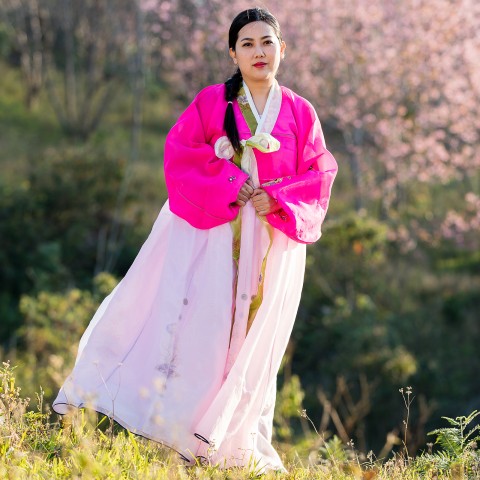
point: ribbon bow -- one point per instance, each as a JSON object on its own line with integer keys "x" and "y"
{"x": 263, "y": 142}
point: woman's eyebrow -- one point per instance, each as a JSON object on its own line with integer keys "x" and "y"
{"x": 251, "y": 39}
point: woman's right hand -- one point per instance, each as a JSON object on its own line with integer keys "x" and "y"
{"x": 245, "y": 193}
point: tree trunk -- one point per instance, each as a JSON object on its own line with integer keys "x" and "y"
{"x": 354, "y": 139}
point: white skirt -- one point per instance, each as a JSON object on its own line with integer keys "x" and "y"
{"x": 160, "y": 355}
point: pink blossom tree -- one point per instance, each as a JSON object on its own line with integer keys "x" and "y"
{"x": 399, "y": 80}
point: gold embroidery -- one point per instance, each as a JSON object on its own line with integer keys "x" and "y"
{"x": 272, "y": 182}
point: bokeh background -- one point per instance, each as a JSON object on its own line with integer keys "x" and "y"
{"x": 88, "y": 91}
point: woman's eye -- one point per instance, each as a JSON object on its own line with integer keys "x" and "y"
{"x": 248, "y": 44}
{"x": 268, "y": 42}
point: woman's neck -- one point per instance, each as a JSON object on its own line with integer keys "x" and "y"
{"x": 259, "y": 92}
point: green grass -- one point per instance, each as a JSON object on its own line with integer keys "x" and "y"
{"x": 33, "y": 446}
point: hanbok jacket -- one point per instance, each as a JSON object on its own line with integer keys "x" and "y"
{"x": 203, "y": 188}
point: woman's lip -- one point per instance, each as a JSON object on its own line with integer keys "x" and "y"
{"x": 259, "y": 64}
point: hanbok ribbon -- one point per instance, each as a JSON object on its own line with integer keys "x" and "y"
{"x": 223, "y": 148}
{"x": 264, "y": 142}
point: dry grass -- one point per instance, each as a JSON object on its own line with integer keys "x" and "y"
{"x": 34, "y": 447}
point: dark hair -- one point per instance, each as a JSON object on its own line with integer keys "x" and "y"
{"x": 232, "y": 85}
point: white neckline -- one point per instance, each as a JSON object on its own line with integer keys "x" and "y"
{"x": 260, "y": 118}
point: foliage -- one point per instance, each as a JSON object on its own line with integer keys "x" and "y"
{"x": 53, "y": 325}
{"x": 33, "y": 447}
{"x": 4, "y": 40}
{"x": 52, "y": 224}
{"x": 353, "y": 340}
{"x": 334, "y": 450}
{"x": 90, "y": 46}
{"x": 289, "y": 402}
{"x": 458, "y": 447}
{"x": 391, "y": 291}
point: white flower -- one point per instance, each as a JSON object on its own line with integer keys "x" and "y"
{"x": 223, "y": 148}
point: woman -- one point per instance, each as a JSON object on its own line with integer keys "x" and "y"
{"x": 186, "y": 349}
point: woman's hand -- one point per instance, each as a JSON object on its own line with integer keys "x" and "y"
{"x": 245, "y": 193}
{"x": 263, "y": 202}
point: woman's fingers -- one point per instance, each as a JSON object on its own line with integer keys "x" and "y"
{"x": 248, "y": 187}
{"x": 243, "y": 196}
{"x": 261, "y": 200}
{"x": 257, "y": 201}
{"x": 263, "y": 203}
{"x": 245, "y": 193}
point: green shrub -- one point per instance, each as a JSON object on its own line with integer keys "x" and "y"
{"x": 53, "y": 223}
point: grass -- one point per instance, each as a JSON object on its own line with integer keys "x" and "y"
{"x": 33, "y": 446}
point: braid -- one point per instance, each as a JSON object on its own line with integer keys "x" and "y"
{"x": 232, "y": 86}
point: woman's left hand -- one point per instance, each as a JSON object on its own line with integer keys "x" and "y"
{"x": 263, "y": 202}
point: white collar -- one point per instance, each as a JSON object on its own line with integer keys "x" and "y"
{"x": 260, "y": 118}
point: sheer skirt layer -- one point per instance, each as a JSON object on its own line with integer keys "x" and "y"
{"x": 160, "y": 355}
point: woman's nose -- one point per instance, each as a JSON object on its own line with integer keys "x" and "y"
{"x": 259, "y": 51}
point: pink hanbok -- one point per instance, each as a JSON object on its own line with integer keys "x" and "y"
{"x": 186, "y": 349}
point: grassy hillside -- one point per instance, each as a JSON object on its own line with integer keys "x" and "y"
{"x": 84, "y": 446}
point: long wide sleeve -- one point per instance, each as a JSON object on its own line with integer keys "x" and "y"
{"x": 304, "y": 196}
{"x": 202, "y": 188}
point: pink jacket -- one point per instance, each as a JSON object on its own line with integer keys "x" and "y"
{"x": 202, "y": 188}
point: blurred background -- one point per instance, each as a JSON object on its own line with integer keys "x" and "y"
{"x": 88, "y": 91}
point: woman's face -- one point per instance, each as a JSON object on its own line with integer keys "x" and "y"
{"x": 258, "y": 52}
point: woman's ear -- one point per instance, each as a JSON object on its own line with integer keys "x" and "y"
{"x": 283, "y": 46}
{"x": 231, "y": 52}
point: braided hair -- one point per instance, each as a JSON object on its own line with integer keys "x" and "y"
{"x": 233, "y": 84}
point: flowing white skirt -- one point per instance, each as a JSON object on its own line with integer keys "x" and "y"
{"x": 160, "y": 355}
